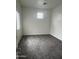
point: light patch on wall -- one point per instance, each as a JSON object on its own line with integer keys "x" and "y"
{"x": 40, "y": 15}
{"x": 17, "y": 20}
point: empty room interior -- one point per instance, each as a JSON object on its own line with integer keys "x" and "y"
{"x": 38, "y": 29}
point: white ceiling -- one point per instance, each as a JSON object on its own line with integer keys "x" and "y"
{"x": 39, "y": 3}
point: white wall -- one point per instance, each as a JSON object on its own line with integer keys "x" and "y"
{"x": 19, "y": 32}
{"x": 56, "y": 22}
{"x": 32, "y": 25}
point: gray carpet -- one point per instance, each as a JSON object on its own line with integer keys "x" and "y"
{"x": 39, "y": 47}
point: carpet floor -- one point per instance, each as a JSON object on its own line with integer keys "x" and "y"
{"x": 39, "y": 47}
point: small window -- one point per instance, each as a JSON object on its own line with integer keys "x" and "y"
{"x": 17, "y": 20}
{"x": 40, "y": 15}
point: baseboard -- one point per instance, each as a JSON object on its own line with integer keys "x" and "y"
{"x": 55, "y": 37}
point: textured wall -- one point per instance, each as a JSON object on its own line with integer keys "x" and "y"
{"x": 18, "y": 32}
{"x": 56, "y": 22}
{"x": 32, "y": 25}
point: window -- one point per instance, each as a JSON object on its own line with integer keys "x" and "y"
{"x": 17, "y": 20}
{"x": 40, "y": 15}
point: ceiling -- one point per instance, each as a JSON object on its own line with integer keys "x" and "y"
{"x": 39, "y": 3}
